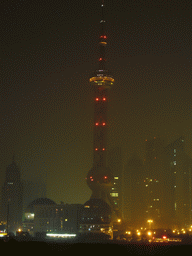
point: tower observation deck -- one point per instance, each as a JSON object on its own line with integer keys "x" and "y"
{"x": 98, "y": 209}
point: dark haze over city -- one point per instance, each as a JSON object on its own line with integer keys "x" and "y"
{"x": 49, "y": 50}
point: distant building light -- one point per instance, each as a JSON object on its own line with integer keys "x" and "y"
{"x": 116, "y": 178}
{"x": 61, "y": 235}
{"x": 174, "y": 162}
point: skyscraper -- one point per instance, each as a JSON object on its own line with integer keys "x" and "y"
{"x": 133, "y": 188}
{"x": 97, "y": 211}
{"x": 168, "y": 187}
{"x": 114, "y": 160}
{"x": 12, "y": 193}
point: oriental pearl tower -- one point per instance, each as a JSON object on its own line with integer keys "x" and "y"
{"x": 97, "y": 212}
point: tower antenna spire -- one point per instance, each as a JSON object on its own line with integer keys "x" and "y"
{"x": 102, "y": 40}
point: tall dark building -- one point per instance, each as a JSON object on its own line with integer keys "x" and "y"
{"x": 97, "y": 211}
{"x": 12, "y": 193}
{"x": 114, "y": 160}
{"x": 133, "y": 192}
{"x": 153, "y": 148}
{"x": 168, "y": 187}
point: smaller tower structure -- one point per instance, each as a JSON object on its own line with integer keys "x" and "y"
{"x": 12, "y": 194}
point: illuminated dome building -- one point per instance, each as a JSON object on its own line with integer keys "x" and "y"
{"x": 97, "y": 212}
{"x": 28, "y": 223}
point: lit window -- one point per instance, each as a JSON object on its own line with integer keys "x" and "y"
{"x": 174, "y": 162}
{"x": 174, "y": 150}
{"x": 65, "y": 219}
{"x": 116, "y": 178}
{"x": 114, "y": 194}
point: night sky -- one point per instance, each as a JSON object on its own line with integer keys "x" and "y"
{"x": 49, "y": 49}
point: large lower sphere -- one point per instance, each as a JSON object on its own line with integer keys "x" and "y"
{"x": 96, "y": 211}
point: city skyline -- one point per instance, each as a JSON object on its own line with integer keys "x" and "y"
{"x": 47, "y": 103}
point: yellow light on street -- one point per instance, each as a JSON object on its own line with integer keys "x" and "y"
{"x": 138, "y": 233}
{"x": 149, "y": 233}
{"x": 150, "y": 221}
{"x": 128, "y": 232}
{"x": 118, "y": 220}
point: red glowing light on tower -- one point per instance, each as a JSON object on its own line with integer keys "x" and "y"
{"x": 97, "y": 99}
{"x": 105, "y": 177}
{"x": 103, "y": 149}
{"x": 96, "y": 149}
{"x": 104, "y": 99}
{"x": 100, "y": 59}
{"x": 104, "y": 124}
{"x": 97, "y": 124}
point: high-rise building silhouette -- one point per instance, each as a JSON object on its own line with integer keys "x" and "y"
{"x": 12, "y": 193}
{"x": 133, "y": 192}
{"x": 168, "y": 187}
{"x": 114, "y": 160}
